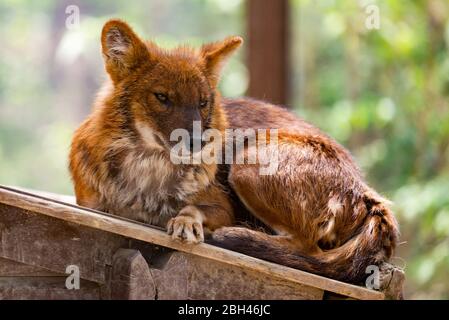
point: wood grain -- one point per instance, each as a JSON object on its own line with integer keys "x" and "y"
{"x": 131, "y": 229}
{"x": 45, "y": 288}
{"x": 52, "y": 244}
{"x": 10, "y": 268}
{"x": 131, "y": 277}
{"x": 185, "y": 276}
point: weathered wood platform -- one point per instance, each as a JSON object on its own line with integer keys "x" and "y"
{"x": 42, "y": 234}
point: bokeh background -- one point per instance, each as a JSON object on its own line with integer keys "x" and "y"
{"x": 383, "y": 93}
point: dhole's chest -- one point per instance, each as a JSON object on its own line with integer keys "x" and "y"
{"x": 149, "y": 188}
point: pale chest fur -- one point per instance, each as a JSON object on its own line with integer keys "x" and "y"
{"x": 148, "y": 187}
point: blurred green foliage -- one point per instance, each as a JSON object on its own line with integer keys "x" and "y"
{"x": 385, "y": 94}
{"x": 49, "y": 73}
{"x": 382, "y": 93}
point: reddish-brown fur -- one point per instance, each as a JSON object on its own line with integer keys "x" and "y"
{"x": 325, "y": 219}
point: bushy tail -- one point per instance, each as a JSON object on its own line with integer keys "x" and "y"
{"x": 372, "y": 244}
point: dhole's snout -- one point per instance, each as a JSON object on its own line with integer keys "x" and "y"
{"x": 192, "y": 123}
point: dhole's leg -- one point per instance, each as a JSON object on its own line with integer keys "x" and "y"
{"x": 86, "y": 197}
{"x": 283, "y": 200}
{"x": 209, "y": 210}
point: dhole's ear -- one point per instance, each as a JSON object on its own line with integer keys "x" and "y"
{"x": 215, "y": 54}
{"x": 122, "y": 49}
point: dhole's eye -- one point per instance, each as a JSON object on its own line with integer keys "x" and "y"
{"x": 203, "y": 103}
{"x": 161, "y": 97}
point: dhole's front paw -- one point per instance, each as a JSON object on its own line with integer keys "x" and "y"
{"x": 186, "y": 228}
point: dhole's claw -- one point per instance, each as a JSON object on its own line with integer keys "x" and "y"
{"x": 186, "y": 229}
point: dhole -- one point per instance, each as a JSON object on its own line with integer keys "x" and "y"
{"x": 319, "y": 214}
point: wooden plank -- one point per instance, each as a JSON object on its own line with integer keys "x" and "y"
{"x": 49, "y": 195}
{"x": 392, "y": 278}
{"x": 139, "y": 231}
{"x": 45, "y": 288}
{"x": 131, "y": 277}
{"x": 268, "y": 49}
{"x": 185, "y": 276}
{"x": 392, "y": 281}
{"x": 10, "y": 268}
{"x": 50, "y": 243}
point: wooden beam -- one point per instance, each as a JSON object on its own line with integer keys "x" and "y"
{"x": 10, "y": 268}
{"x": 268, "y": 48}
{"x": 139, "y": 270}
{"x": 139, "y": 231}
{"x": 52, "y": 244}
{"x": 185, "y": 276}
{"x": 45, "y": 288}
{"x": 131, "y": 277}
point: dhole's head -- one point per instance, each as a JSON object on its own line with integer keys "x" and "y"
{"x": 162, "y": 90}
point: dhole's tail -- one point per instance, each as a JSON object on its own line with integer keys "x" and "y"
{"x": 372, "y": 244}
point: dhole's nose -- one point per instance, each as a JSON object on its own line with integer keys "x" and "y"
{"x": 191, "y": 114}
{"x": 196, "y": 143}
{"x": 192, "y": 123}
